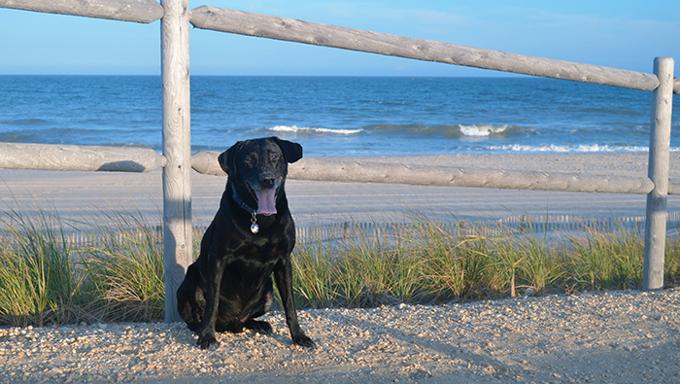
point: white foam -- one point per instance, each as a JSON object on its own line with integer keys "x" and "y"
{"x": 481, "y": 130}
{"x": 570, "y": 148}
{"x": 312, "y": 130}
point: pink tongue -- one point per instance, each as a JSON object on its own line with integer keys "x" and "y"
{"x": 266, "y": 201}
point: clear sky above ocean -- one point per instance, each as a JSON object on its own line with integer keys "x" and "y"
{"x": 627, "y": 34}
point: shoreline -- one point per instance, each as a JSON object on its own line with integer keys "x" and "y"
{"x": 81, "y": 197}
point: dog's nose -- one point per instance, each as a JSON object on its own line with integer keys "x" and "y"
{"x": 267, "y": 182}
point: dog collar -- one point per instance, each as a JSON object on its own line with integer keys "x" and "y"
{"x": 254, "y": 227}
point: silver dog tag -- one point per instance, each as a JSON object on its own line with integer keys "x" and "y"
{"x": 254, "y": 228}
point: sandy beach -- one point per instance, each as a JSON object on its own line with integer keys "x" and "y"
{"x": 613, "y": 337}
{"x": 80, "y": 198}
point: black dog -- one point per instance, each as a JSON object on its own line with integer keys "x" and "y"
{"x": 251, "y": 236}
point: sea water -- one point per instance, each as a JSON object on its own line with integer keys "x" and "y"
{"x": 336, "y": 116}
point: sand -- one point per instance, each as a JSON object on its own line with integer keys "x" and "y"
{"x": 81, "y": 197}
{"x": 617, "y": 337}
{"x": 613, "y": 337}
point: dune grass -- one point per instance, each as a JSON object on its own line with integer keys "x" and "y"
{"x": 39, "y": 282}
{"x": 428, "y": 264}
{"x": 46, "y": 280}
{"x": 126, "y": 271}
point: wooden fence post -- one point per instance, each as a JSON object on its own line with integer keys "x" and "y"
{"x": 177, "y": 233}
{"x": 659, "y": 146}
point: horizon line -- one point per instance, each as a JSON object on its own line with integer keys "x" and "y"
{"x": 510, "y": 75}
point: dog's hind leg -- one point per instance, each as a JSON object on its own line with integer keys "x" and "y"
{"x": 211, "y": 273}
{"x": 190, "y": 300}
{"x": 197, "y": 310}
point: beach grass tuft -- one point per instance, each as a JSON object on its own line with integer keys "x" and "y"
{"x": 39, "y": 282}
{"x": 45, "y": 279}
{"x": 606, "y": 260}
{"x": 126, "y": 270}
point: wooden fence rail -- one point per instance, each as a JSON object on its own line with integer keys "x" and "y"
{"x": 279, "y": 28}
{"x": 396, "y": 173}
{"x": 125, "y": 159}
{"x": 57, "y": 157}
{"x": 177, "y": 161}
{"x": 140, "y": 11}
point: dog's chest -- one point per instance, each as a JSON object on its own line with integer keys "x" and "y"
{"x": 258, "y": 253}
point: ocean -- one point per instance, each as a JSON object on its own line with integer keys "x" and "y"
{"x": 336, "y": 116}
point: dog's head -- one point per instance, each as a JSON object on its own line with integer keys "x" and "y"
{"x": 258, "y": 169}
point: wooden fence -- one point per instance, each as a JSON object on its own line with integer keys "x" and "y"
{"x": 552, "y": 227}
{"x": 177, "y": 162}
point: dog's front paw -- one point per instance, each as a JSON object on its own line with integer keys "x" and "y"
{"x": 205, "y": 341}
{"x": 304, "y": 341}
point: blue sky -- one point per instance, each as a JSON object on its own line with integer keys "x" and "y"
{"x": 626, "y": 34}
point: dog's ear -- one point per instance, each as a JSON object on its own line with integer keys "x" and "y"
{"x": 227, "y": 159}
{"x": 292, "y": 152}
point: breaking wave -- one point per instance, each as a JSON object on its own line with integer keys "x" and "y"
{"x": 452, "y": 130}
{"x": 313, "y": 131}
{"x": 580, "y": 148}
{"x": 482, "y": 130}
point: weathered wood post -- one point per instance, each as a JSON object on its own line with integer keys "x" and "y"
{"x": 176, "y": 148}
{"x": 659, "y": 146}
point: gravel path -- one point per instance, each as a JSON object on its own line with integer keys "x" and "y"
{"x": 617, "y": 337}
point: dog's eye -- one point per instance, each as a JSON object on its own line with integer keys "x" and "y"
{"x": 250, "y": 161}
